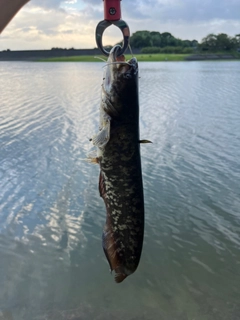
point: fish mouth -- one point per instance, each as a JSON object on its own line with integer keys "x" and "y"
{"x": 117, "y": 66}
{"x": 113, "y": 55}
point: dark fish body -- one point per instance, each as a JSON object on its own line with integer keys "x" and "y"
{"x": 120, "y": 182}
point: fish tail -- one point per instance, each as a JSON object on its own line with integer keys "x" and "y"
{"x": 121, "y": 273}
{"x": 119, "y": 277}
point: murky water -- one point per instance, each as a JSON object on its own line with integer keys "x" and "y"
{"x": 52, "y": 265}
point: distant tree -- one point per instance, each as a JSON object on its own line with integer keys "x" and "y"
{"x": 237, "y": 38}
{"x": 186, "y": 43}
{"x": 235, "y": 43}
{"x": 223, "y": 42}
{"x": 136, "y": 40}
{"x": 209, "y": 42}
{"x": 141, "y": 39}
{"x": 167, "y": 38}
{"x": 155, "y": 33}
{"x": 178, "y": 42}
{"x": 151, "y": 50}
{"x": 166, "y": 35}
{"x": 155, "y": 39}
{"x": 169, "y": 49}
{"x": 194, "y": 43}
{"x": 220, "y": 42}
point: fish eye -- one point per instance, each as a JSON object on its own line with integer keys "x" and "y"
{"x": 127, "y": 76}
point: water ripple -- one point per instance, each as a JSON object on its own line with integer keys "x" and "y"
{"x": 51, "y": 213}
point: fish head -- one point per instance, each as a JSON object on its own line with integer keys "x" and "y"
{"x": 120, "y": 85}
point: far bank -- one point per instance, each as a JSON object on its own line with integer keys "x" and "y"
{"x": 148, "y": 57}
{"x": 90, "y": 55}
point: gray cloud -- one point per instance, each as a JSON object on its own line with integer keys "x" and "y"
{"x": 201, "y": 10}
{"x": 188, "y": 10}
{"x": 47, "y": 4}
{"x": 94, "y": 2}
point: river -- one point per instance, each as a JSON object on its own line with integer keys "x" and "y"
{"x": 52, "y": 265}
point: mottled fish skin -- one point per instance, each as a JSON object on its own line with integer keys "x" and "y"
{"x": 120, "y": 182}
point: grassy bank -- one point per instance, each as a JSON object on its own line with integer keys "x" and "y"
{"x": 140, "y": 57}
{"x": 152, "y": 57}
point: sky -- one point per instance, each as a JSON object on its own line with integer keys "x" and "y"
{"x": 43, "y": 24}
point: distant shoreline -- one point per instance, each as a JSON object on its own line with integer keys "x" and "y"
{"x": 149, "y": 58}
{"x": 212, "y": 56}
{"x": 88, "y": 55}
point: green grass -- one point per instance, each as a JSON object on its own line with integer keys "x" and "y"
{"x": 140, "y": 57}
{"x": 72, "y": 59}
{"x": 160, "y": 57}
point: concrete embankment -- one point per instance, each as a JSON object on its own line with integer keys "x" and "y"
{"x": 33, "y": 55}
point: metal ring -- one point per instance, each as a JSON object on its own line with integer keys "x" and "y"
{"x": 122, "y": 25}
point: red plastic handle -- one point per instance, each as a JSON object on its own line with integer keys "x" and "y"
{"x": 112, "y": 9}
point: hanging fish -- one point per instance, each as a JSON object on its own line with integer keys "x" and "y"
{"x": 118, "y": 153}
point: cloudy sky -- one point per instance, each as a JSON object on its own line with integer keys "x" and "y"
{"x": 43, "y": 24}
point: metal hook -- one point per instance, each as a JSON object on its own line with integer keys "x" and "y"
{"x": 122, "y": 25}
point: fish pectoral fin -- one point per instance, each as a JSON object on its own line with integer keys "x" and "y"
{"x": 108, "y": 106}
{"x": 145, "y": 141}
{"x": 93, "y": 160}
{"x": 92, "y": 157}
{"x": 102, "y": 138}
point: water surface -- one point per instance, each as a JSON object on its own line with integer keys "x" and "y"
{"x": 52, "y": 265}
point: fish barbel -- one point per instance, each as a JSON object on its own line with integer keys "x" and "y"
{"x": 118, "y": 153}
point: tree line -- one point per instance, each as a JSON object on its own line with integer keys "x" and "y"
{"x": 220, "y": 42}
{"x": 156, "y": 42}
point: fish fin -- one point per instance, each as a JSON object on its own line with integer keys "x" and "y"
{"x": 92, "y": 157}
{"x": 101, "y": 185}
{"x": 145, "y": 141}
{"x": 93, "y": 160}
{"x": 119, "y": 277}
{"x": 108, "y": 107}
{"x": 102, "y": 138}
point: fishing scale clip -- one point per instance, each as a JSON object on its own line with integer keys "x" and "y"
{"x": 112, "y": 15}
